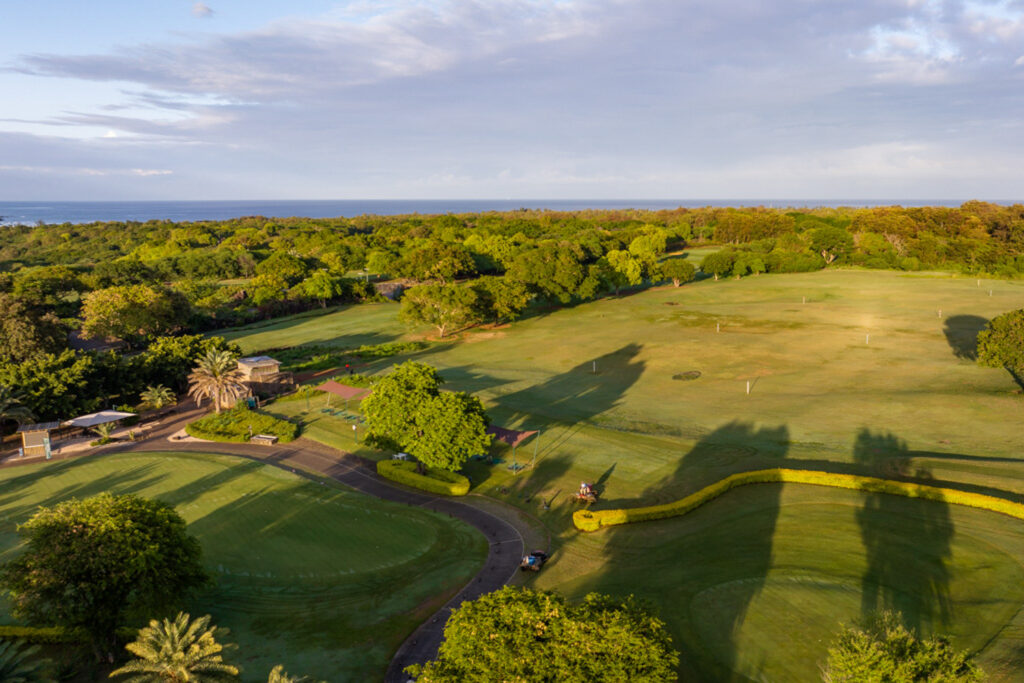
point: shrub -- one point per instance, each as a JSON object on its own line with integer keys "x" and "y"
{"x": 592, "y": 520}
{"x": 438, "y": 481}
{"x": 233, "y": 425}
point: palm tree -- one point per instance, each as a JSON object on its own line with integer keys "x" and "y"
{"x": 20, "y": 664}
{"x": 217, "y": 378}
{"x": 11, "y": 407}
{"x": 278, "y": 675}
{"x": 104, "y": 431}
{"x": 177, "y": 651}
{"x": 157, "y": 397}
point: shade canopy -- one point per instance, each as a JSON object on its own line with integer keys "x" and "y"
{"x": 512, "y": 437}
{"x": 93, "y": 419}
{"x": 343, "y": 390}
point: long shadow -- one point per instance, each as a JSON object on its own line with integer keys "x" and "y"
{"x": 588, "y": 389}
{"x": 728, "y": 558}
{"x": 907, "y": 542}
{"x": 962, "y": 334}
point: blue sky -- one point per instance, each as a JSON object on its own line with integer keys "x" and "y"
{"x": 233, "y": 99}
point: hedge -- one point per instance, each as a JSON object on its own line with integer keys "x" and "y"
{"x": 233, "y": 426}
{"x": 438, "y": 481}
{"x": 48, "y": 635}
{"x": 592, "y": 520}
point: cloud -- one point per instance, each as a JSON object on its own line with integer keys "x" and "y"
{"x": 574, "y": 97}
{"x": 202, "y": 10}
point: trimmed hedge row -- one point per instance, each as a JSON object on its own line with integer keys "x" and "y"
{"x": 442, "y": 482}
{"x": 592, "y": 520}
{"x": 233, "y": 426}
{"x": 48, "y": 635}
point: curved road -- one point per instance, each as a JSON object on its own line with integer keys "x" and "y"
{"x": 506, "y": 545}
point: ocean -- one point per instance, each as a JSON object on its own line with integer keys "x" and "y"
{"x": 181, "y": 211}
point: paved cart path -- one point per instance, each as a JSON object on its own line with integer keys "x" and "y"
{"x": 506, "y": 544}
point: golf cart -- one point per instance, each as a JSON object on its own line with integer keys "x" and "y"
{"x": 586, "y": 494}
{"x": 534, "y": 561}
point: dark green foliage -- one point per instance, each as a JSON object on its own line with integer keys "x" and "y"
{"x": 238, "y": 424}
{"x": 25, "y": 332}
{"x": 443, "y": 306}
{"x": 408, "y": 412}
{"x": 168, "y": 360}
{"x": 523, "y": 635}
{"x": 281, "y": 264}
{"x": 884, "y": 651}
{"x": 678, "y": 270}
{"x": 89, "y": 563}
{"x": 128, "y": 271}
{"x": 500, "y": 298}
{"x": 830, "y": 242}
{"x": 1001, "y": 344}
{"x": 718, "y": 263}
{"x": 51, "y": 289}
{"x": 436, "y": 260}
{"x": 133, "y": 312}
{"x": 23, "y": 664}
{"x": 553, "y": 272}
{"x": 54, "y": 386}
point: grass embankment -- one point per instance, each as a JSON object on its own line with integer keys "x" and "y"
{"x": 325, "y": 581}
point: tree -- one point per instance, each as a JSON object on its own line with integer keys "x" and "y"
{"x": 552, "y": 270}
{"x": 408, "y": 412}
{"x": 268, "y": 288}
{"x": 155, "y": 398}
{"x": 217, "y": 378}
{"x": 524, "y": 635}
{"x": 54, "y": 386}
{"x": 436, "y": 260}
{"x": 88, "y": 563}
{"x": 831, "y": 242}
{"x": 884, "y": 651}
{"x": 132, "y": 312}
{"x": 380, "y": 262}
{"x": 283, "y": 265}
{"x": 322, "y": 286}
{"x": 12, "y": 409}
{"x": 621, "y": 269}
{"x": 178, "y": 651}
{"x": 718, "y": 263}
{"x": 20, "y": 663}
{"x": 278, "y": 675}
{"x": 678, "y": 271}
{"x": 1001, "y": 344}
{"x": 442, "y": 306}
{"x": 168, "y": 360}
{"x": 25, "y": 332}
{"x": 51, "y": 289}
{"x": 124, "y": 271}
{"x": 500, "y": 298}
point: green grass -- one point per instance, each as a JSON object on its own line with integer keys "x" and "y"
{"x": 758, "y": 580}
{"x": 325, "y": 581}
{"x": 904, "y": 401}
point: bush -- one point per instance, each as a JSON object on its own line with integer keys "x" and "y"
{"x": 233, "y": 425}
{"x": 592, "y": 520}
{"x": 438, "y": 481}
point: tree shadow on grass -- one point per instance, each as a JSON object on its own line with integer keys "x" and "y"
{"x": 726, "y": 562}
{"x": 962, "y": 335}
{"x": 908, "y": 547}
{"x": 581, "y": 393}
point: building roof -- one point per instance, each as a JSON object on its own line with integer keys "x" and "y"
{"x": 512, "y": 437}
{"x": 343, "y": 390}
{"x": 93, "y": 419}
{"x": 39, "y": 427}
{"x": 258, "y": 360}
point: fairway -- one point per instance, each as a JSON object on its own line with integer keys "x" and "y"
{"x": 325, "y": 581}
{"x": 867, "y": 372}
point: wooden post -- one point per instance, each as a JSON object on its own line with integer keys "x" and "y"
{"x": 718, "y": 327}
{"x": 748, "y": 387}
{"x": 867, "y": 338}
{"x": 594, "y": 368}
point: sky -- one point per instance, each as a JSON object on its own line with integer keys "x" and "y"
{"x": 495, "y": 99}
